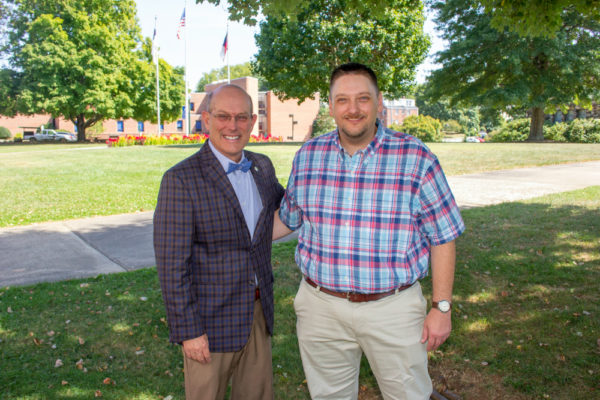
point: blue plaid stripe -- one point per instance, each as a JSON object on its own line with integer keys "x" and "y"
{"x": 367, "y": 222}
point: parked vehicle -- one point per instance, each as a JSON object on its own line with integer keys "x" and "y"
{"x": 50, "y": 135}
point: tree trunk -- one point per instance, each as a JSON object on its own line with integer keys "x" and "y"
{"x": 80, "y": 128}
{"x": 536, "y": 129}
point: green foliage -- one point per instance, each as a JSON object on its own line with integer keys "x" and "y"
{"x": 516, "y": 130}
{"x": 81, "y": 59}
{"x": 576, "y": 131}
{"x": 247, "y": 10}
{"x": 583, "y": 131}
{"x": 235, "y": 71}
{"x": 4, "y": 133}
{"x": 534, "y": 17}
{"x": 452, "y": 126}
{"x": 423, "y": 127}
{"x": 297, "y": 55}
{"x": 501, "y": 70}
{"x": 556, "y": 132}
{"x": 323, "y": 123}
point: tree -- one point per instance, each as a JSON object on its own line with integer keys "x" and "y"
{"x": 235, "y": 71}
{"x": 537, "y": 18}
{"x": 247, "y": 10}
{"x": 83, "y": 60}
{"x": 323, "y": 123}
{"x": 296, "y": 56}
{"x": 502, "y": 70}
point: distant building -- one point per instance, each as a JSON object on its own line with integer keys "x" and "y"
{"x": 575, "y": 112}
{"x": 287, "y": 119}
{"x": 394, "y": 111}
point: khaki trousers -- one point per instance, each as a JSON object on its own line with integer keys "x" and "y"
{"x": 333, "y": 333}
{"x": 249, "y": 369}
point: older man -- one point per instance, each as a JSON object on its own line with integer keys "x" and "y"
{"x": 212, "y": 238}
{"x": 373, "y": 206}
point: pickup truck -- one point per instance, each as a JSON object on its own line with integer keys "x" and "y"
{"x": 50, "y": 135}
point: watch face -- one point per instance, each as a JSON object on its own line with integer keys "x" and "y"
{"x": 443, "y": 306}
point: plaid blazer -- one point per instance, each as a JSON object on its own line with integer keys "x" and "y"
{"x": 205, "y": 259}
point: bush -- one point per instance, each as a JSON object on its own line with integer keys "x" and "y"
{"x": 556, "y": 132}
{"x": 583, "y": 131}
{"x": 423, "y": 127}
{"x": 4, "y": 133}
{"x": 452, "y": 126}
{"x": 324, "y": 122}
{"x": 516, "y": 130}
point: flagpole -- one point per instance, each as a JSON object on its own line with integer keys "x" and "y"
{"x": 227, "y": 51}
{"x": 157, "y": 76}
{"x": 187, "y": 99}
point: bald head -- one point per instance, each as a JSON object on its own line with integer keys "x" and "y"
{"x": 222, "y": 92}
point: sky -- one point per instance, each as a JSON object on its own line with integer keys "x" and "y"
{"x": 206, "y": 29}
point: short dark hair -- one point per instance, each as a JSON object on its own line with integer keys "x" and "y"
{"x": 353, "y": 68}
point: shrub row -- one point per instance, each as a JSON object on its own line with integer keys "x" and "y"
{"x": 165, "y": 140}
{"x": 576, "y": 131}
{"x": 423, "y": 127}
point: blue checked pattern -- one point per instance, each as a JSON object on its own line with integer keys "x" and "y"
{"x": 367, "y": 222}
{"x": 206, "y": 259}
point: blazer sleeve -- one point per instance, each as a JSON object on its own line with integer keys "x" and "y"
{"x": 173, "y": 238}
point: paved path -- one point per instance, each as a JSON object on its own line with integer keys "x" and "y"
{"x": 91, "y": 246}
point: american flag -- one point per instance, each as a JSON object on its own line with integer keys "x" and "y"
{"x": 181, "y": 25}
{"x": 224, "y": 48}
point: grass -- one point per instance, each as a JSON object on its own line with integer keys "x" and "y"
{"x": 526, "y": 318}
{"x": 53, "y": 182}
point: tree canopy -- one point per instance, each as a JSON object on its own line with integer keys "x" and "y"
{"x": 247, "y": 10}
{"x": 83, "y": 60}
{"x": 538, "y": 18}
{"x": 502, "y": 70}
{"x": 235, "y": 71}
{"x": 296, "y": 55}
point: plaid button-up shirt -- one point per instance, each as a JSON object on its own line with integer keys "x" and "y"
{"x": 367, "y": 222}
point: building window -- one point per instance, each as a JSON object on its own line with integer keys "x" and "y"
{"x": 191, "y": 106}
{"x": 120, "y": 126}
{"x": 179, "y": 125}
{"x": 140, "y": 126}
{"x": 198, "y": 126}
{"x": 162, "y": 127}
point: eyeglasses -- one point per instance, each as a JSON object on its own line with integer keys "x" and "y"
{"x": 242, "y": 118}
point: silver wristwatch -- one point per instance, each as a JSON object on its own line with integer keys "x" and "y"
{"x": 442, "y": 305}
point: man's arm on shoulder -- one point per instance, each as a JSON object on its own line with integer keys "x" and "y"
{"x": 279, "y": 228}
{"x": 438, "y": 325}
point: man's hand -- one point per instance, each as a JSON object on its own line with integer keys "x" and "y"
{"x": 436, "y": 328}
{"x": 197, "y": 349}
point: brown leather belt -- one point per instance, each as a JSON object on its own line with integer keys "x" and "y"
{"x": 257, "y": 294}
{"x": 354, "y": 296}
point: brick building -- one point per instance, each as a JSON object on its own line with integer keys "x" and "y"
{"x": 394, "y": 111}
{"x": 287, "y": 119}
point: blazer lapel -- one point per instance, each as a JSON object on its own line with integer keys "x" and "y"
{"x": 261, "y": 184}
{"x": 214, "y": 171}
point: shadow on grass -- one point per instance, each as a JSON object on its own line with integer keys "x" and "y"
{"x": 526, "y": 300}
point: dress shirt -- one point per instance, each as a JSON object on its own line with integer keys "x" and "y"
{"x": 245, "y": 190}
{"x": 367, "y": 221}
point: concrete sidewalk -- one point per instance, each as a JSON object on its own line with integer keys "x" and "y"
{"x": 88, "y": 247}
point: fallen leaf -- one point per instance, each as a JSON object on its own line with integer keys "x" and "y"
{"x": 484, "y": 363}
{"x": 58, "y": 363}
{"x": 139, "y": 352}
{"x": 169, "y": 397}
{"x": 136, "y": 324}
{"x": 64, "y": 383}
{"x": 37, "y": 341}
{"x": 79, "y": 364}
{"x": 84, "y": 285}
{"x": 143, "y": 298}
{"x": 81, "y": 341}
{"x": 107, "y": 381}
{"x": 504, "y": 293}
{"x": 51, "y": 333}
{"x": 97, "y": 393}
{"x": 9, "y": 310}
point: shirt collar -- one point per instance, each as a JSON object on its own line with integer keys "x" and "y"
{"x": 223, "y": 159}
{"x": 373, "y": 146}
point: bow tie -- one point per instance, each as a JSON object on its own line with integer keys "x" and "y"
{"x": 244, "y": 166}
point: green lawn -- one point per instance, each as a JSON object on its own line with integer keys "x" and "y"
{"x": 526, "y": 319}
{"x": 51, "y": 182}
